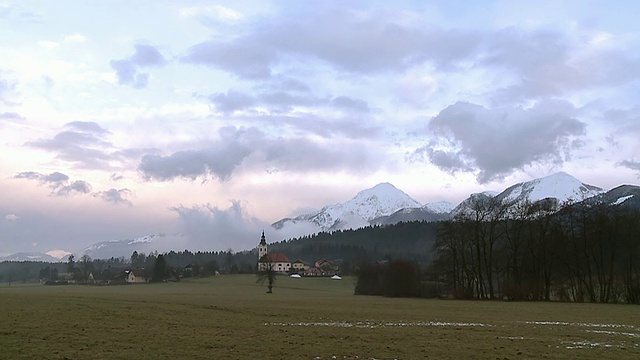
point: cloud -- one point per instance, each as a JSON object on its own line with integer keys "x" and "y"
{"x": 548, "y": 63}
{"x": 75, "y": 187}
{"x": 11, "y": 116}
{"x": 11, "y": 217}
{"x": 493, "y": 143}
{"x": 115, "y": 196}
{"x": 630, "y": 164}
{"x": 61, "y": 186}
{"x": 19, "y": 14}
{"x": 128, "y": 70}
{"x": 356, "y": 42}
{"x": 212, "y": 15}
{"x": 7, "y": 90}
{"x": 254, "y": 149}
{"x": 218, "y": 160}
{"x": 283, "y": 101}
{"x": 208, "y": 226}
{"x": 232, "y": 101}
{"x": 53, "y": 180}
{"x": 87, "y": 127}
{"x": 58, "y": 183}
{"x": 82, "y": 144}
{"x": 346, "y": 102}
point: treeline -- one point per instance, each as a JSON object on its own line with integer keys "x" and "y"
{"x": 396, "y": 278}
{"x": 29, "y": 271}
{"x": 208, "y": 263}
{"x": 586, "y": 252}
{"x": 201, "y": 263}
{"x": 411, "y": 241}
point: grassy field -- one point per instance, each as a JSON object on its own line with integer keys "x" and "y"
{"x": 231, "y": 317}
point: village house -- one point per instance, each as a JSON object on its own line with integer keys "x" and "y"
{"x": 137, "y": 276}
{"x": 327, "y": 267}
{"x": 300, "y": 266}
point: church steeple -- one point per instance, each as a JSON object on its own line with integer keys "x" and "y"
{"x": 262, "y": 247}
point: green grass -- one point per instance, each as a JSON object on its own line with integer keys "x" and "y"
{"x": 231, "y": 317}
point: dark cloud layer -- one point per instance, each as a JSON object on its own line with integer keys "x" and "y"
{"x": 630, "y": 164}
{"x": 255, "y": 149}
{"x": 538, "y": 63}
{"x": 355, "y": 42}
{"x": 219, "y": 160}
{"x": 470, "y": 138}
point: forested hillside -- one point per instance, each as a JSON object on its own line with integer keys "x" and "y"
{"x": 412, "y": 241}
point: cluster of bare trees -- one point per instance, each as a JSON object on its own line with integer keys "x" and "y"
{"x": 524, "y": 251}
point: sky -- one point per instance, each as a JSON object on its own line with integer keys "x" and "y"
{"x": 214, "y": 119}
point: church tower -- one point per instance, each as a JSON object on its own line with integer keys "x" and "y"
{"x": 262, "y": 247}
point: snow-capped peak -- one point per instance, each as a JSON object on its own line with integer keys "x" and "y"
{"x": 380, "y": 200}
{"x": 561, "y": 186}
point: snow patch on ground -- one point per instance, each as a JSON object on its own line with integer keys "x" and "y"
{"x": 375, "y": 324}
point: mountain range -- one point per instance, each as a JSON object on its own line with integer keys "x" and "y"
{"x": 381, "y": 200}
{"x": 382, "y": 204}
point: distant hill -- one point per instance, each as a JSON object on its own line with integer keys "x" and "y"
{"x": 31, "y": 256}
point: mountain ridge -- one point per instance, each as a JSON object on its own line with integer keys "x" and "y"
{"x": 380, "y": 200}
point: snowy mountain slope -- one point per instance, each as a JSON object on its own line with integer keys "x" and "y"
{"x": 435, "y": 211}
{"x": 31, "y": 256}
{"x": 439, "y": 207}
{"x": 149, "y": 243}
{"x": 622, "y": 196}
{"x": 465, "y": 208}
{"x": 560, "y": 186}
{"x": 380, "y": 200}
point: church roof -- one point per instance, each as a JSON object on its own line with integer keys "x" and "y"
{"x": 274, "y": 258}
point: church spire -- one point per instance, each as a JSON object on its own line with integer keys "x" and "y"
{"x": 263, "y": 249}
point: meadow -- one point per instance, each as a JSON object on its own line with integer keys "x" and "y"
{"x": 231, "y": 317}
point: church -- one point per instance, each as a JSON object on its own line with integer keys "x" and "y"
{"x": 278, "y": 261}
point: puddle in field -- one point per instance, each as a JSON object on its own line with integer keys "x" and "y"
{"x": 375, "y": 324}
{"x": 627, "y": 331}
{"x": 633, "y": 335}
{"x": 586, "y": 344}
{"x": 561, "y": 323}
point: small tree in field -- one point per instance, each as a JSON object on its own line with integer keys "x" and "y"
{"x": 268, "y": 275}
